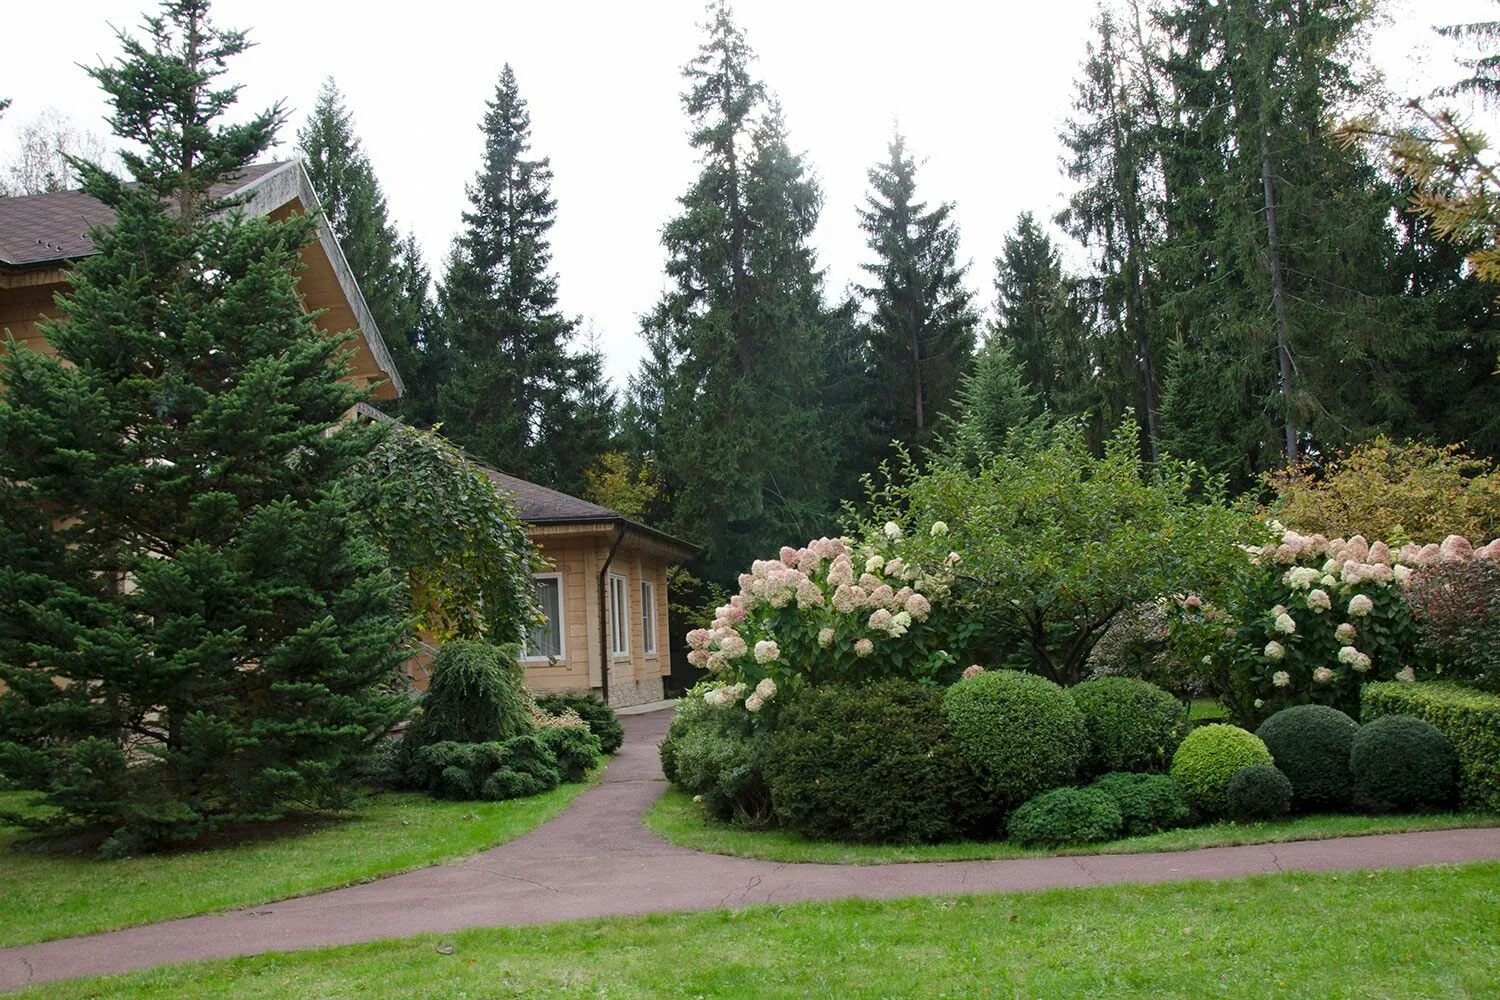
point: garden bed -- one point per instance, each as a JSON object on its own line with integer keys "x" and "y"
{"x": 677, "y": 818}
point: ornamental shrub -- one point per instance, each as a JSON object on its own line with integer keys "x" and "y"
{"x": 1258, "y": 792}
{"x": 1021, "y": 734}
{"x": 1470, "y": 719}
{"x": 1457, "y": 609}
{"x": 1401, "y": 763}
{"x": 575, "y": 748}
{"x": 1209, "y": 758}
{"x": 1132, "y": 725}
{"x": 1066, "y": 816}
{"x": 492, "y": 770}
{"x": 872, "y": 763}
{"x": 717, "y": 753}
{"x": 601, "y": 719}
{"x": 1148, "y": 802}
{"x": 476, "y": 696}
{"x": 1310, "y": 745}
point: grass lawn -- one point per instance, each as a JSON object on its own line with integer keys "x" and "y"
{"x": 677, "y": 818}
{"x": 1427, "y": 932}
{"x": 46, "y": 896}
{"x": 1207, "y": 709}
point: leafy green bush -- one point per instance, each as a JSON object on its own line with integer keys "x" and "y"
{"x": 869, "y": 763}
{"x": 576, "y": 749}
{"x": 1470, "y": 719}
{"x": 1209, "y": 758}
{"x": 493, "y": 770}
{"x": 717, "y": 754}
{"x": 1022, "y": 734}
{"x": 1457, "y": 609}
{"x": 1258, "y": 792}
{"x": 476, "y": 696}
{"x": 1402, "y": 763}
{"x": 1132, "y": 725}
{"x": 601, "y": 719}
{"x": 1310, "y": 744}
{"x": 1148, "y": 802}
{"x": 1066, "y": 816}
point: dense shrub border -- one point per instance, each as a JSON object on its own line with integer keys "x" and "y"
{"x": 1133, "y": 725}
{"x": 1469, "y": 718}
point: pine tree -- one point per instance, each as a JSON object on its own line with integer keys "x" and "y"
{"x": 388, "y": 269}
{"x": 192, "y": 633}
{"x": 921, "y": 321}
{"x": 740, "y": 344}
{"x": 510, "y": 390}
{"x": 994, "y": 410}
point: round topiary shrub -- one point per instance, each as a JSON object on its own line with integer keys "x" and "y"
{"x": 1258, "y": 792}
{"x": 1209, "y": 758}
{"x": 1133, "y": 725}
{"x": 1066, "y": 816}
{"x": 1148, "y": 802}
{"x": 1310, "y": 744}
{"x": 1022, "y": 734}
{"x": 871, "y": 763}
{"x": 601, "y": 719}
{"x": 1402, "y": 763}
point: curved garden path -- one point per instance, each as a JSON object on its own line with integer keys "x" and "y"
{"x": 597, "y": 859}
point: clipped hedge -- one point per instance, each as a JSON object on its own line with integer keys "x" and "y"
{"x": 1401, "y": 763}
{"x": 601, "y": 719}
{"x": 1310, "y": 744}
{"x": 1022, "y": 734}
{"x": 1209, "y": 758}
{"x": 1066, "y": 816}
{"x": 1148, "y": 802}
{"x": 1258, "y": 792}
{"x": 1133, "y": 725}
{"x": 1469, "y": 718}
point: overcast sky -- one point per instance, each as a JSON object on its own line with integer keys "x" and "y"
{"x": 978, "y": 88}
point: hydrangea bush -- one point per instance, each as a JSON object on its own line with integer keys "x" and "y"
{"x": 837, "y": 610}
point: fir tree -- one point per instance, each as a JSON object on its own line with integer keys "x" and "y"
{"x": 192, "y": 633}
{"x": 921, "y": 321}
{"x": 994, "y": 410}
{"x": 510, "y": 390}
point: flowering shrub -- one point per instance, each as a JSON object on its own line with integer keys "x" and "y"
{"x": 834, "y": 611}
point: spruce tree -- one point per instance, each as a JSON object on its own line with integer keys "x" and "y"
{"x": 921, "y": 322}
{"x": 192, "y": 632}
{"x": 511, "y": 391}
{"x": 994, "y": 410}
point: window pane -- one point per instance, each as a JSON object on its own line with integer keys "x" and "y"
{"x": 546, "y": 639}
{"x": 618, "y": 610}
{"x": 648, "y": 616}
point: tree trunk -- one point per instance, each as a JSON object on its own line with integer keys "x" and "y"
{"x": 1278, "y": 302}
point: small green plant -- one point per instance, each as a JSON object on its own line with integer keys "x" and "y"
{"x": 476, "y": 696}
{"x": 1258, "y": 792}
{"x": 601, "y": 719}
{"x": 1132, "y": 725}
{"x": 1022, "y": 734}
{"x": 1310, "y": 744}
{"x": 1401, "y": 763}
{"x": 1209, "y": 758}
{"x": 1066, "y": 816}
{"x": 1470, "y": 719}
{"x": 1148, "y": 802}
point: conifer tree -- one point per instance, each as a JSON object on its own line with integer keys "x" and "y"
{"x": 192, "y": 632}
{"x": 921, "y": 322}
{"x": 511, "y": 390}
{"x": 994, "y": 410}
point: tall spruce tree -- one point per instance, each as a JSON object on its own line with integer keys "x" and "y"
{"x": 192, "y": 633}
{"x": 511, "y": 389}
{"x": 388, "y": 269}
{"x": 920, "y": 320}
{"x": 740, "y": 344}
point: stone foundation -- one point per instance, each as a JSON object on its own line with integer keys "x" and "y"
{"x": 624, "y": 693}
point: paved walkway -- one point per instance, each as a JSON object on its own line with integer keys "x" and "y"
{"x": 597, "y": 859}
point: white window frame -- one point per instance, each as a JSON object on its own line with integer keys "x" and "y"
{"x": 619, "y": 615}
{"x": 648, "y": 617}
{"x": 562, "y": 624}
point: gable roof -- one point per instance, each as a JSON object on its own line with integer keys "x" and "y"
{"x": 51, "y": 230}
{"x": 542, "y": 505}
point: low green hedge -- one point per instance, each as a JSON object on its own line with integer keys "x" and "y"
{"x": 1469, "y": 718}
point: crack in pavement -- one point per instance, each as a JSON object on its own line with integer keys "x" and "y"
{"x": 518, "y": 878}
{"x": 740, "y": 892}
{"x": 30, "y": 972}
{"x": 1093, "y": 879}
{"x": 1274, "y": 859}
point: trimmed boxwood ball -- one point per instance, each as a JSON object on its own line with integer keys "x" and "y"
{"x": 1258, "y": 792}
{"x": 601, "y": 719}
{"x": 1133, "y": 725}
{"x": 1066, "y": 816}
{"x": 870, "y": 763}
{"x": 1310, "y": 744}
{"x": 1403, "y": 763}
{"x": 1022, "y": 734}
{"x": 1209, "y": 758}
{"x": 1148, "y": 802}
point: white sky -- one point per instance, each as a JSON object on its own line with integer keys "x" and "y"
{"x": 979, "y": 89}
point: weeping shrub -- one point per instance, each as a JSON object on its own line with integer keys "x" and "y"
{"x": 476, "y": 696}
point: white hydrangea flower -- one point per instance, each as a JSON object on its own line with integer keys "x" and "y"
{"x": 754, "y": 703}
{"x": 1259, "y": 702}
{"x": 1360, "y": 605}
{"x": 864, "y": 647}
{"x": 1281, "y": 679}
{"x": 1406, "y": 674}
{"x": 939, "y": 529}
{"x": 766, "y": 689}
{"x": 1328, "y": 581}
{"x": 1348, "y": 655}
{"x": 1346, "y": 633}
{"x": 874, "y": 564}
{"x": 1319, "y": 600}
{"x": 892, "y": 530}
{"x": 1322, "y": 675}
{"x": 1402, "y": 574}
{"x": 1285, "y": 624}
{"x": 826, "y": 637}
{"x": 766, "y": 650}
{"x": 1275, "y": 651}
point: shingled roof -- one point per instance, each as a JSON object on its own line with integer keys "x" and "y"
{"x": 542, "y": 505}
{"x": 44, "y": 230}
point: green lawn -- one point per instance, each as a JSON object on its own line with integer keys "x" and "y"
{"x": 1428, "y": 932}
{"x": 46, "y": 896}
{"x": 1207, "y": 708}
{"x": 677, "y": 818}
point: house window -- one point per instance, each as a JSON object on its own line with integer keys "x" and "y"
{"x": 619, "y": 616}
{"x": 546, "y": 639}
{"x": 648, "y": 617}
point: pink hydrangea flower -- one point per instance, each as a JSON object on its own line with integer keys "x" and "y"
{"x": 864, "y": 647}
{"x": 972, "y": 670}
